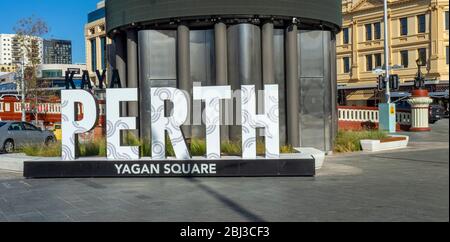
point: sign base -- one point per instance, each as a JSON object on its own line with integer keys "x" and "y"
{"x": 226, "y": 167}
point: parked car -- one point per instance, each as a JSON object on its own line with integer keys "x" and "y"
{"x": 15, "y": 135}
{"x": 436, "y": 113}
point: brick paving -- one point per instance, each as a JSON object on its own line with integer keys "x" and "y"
{"x": 405, "y": 185}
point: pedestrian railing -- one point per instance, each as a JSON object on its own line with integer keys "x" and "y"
{"x": 370, "y": 115}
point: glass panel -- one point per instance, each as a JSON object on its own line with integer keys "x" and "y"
{"x": 312, "y": 89}
{"x": 311, "y": 54}
{"x": 404, "y": 58}
{"x": 368, "y": 32}
{"x": 423, "y": 54}
{"x": 377, "y": 29}
{"x": 94, "y": 54}
{"x": 378, "y": 60}
{"x": 345, "y": 36}
{"x": 446, "y": 20}
{"x": 421, "y": 21}
{"x": 103, "y": 52}
{"x": 369, "y": 65}
{"x": 404, "y": 26}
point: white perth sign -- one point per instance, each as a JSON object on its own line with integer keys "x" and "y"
{"x": 162, "y": 124}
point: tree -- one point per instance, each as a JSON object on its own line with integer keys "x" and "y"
{"x": 28, "y": 40}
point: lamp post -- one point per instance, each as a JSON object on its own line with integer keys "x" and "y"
{"x": 419, "y": 81}
{"x": 420, "y": 101}
{"x": 22, "y": 84}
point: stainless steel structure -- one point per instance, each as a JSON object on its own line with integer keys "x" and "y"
{"x": 293, "y": 51}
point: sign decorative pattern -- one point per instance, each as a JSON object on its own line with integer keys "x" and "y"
{"x": 115, "y": 124}
{"x": 161, "y": 122}
{"x": 171, "y": 124}
{"x": 212, "y": 97}
{"x": 269, "y": 121}
{"x": 69, "y": 124}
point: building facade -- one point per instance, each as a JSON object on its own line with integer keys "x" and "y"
{"x": 11, "y": 53}
{"x": 96, "y": 40}
{"x": 57, "y": 51}
{"x": 183, "y": 43}
{"x": 417, "y": 29}
{"x": 8, "y": 68}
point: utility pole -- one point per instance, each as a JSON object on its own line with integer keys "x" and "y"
{"x": 387, "y": 110}
{"x": 386, "y": 52}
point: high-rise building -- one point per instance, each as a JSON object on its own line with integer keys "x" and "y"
{"x": 417, "y": 29}
{"x": 57, "y": 51}
{"x": 96, "y": 40}
{"x": 11, "y": 53}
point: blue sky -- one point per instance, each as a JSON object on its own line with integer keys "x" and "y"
{"x": 65, "y": 18}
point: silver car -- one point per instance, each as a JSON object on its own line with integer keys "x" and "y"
{"x": 15, "y": 135}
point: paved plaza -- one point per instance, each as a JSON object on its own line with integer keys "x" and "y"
{"x": 406, "y": 185}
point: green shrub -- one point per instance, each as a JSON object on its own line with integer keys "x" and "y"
{"x": 52, "y": 150}
{"x": 98, "y": 148}
{"x": 349, "y": 141}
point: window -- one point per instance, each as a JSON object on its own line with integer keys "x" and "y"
{"x": 377, "y": 29}
{"x": 378, "y": 60}
{"x": 404, "y": 26}
{"x": 446, "y": 55}
{"x": 446, "y": 20}
{"x": 369, "y": 63}
{"x": 345, "y": 36}
{"x": 404, "y": 58}
{"x": 422, "y": 54}
{"x": 368, "y": 32}
{"x": 30, "y": 127}
{"x": 421, "y": 21}
{"x": 103, "y": 52}
{"x": 94, "y": 54}
{"x": 346, "y": 61}
{"x": 15, "y": 127}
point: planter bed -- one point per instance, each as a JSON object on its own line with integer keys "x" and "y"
{"x": 390, "y": 143}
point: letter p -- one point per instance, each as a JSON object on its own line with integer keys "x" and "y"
{"x": 71, "y": 127}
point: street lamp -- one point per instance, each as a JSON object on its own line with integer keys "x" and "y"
{"x": 419, "y": 81}
{"x": 22, "y": 84}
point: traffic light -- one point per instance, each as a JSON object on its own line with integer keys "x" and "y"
{"x": 381, "y": 83}
{"x": 394, "y": 82}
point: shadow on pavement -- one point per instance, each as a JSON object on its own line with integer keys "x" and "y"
{"x": 226, "y": 201}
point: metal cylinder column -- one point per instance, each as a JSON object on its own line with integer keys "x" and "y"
{"x": 183, "y": 68}
{"x": 132, "y": 69}
{"x": 220, "y": 40}
{"x": 121, "y": 64}
{"x": 132, "y": 75}
{"x": 292, "y": 86}
{"x": 268, "y": 67}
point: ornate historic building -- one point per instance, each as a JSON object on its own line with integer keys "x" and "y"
{"x": 417, "y": 29}
{"x": 96, "y": 40}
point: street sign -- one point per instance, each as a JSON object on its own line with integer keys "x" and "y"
{"x": 378, "y": 71}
